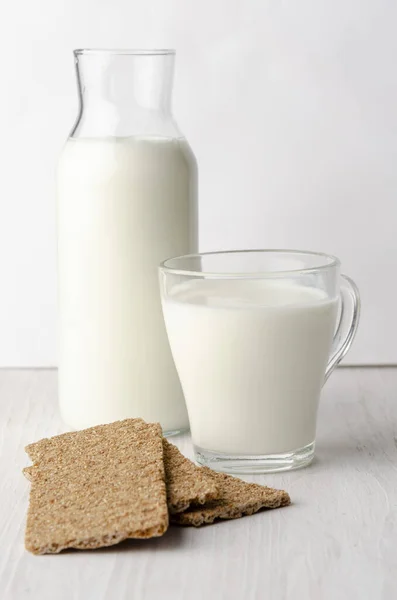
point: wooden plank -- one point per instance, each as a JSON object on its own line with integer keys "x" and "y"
{"x": 338, "y": 540}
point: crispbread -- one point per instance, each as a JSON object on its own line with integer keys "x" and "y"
{"x": 30, "y": 471}
{"x": 237, "y": 499}
{"x": 186, "y": 483}
{"x": 97, "y": 487}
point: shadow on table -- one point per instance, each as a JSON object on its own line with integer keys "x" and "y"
{"x": 379, "y": 448}
{"x": 170, "y": 541}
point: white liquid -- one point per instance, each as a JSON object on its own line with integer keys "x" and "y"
{"x": 251, "y": 358}
{"x": 124, "y": 205}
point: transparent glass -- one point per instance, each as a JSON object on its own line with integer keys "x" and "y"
{"x": 125, "y": 93}
{"x": 127, "y": 199}
{"x": 254, "y": 336}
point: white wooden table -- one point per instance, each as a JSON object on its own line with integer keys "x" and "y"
{"x": 337, "y": 541}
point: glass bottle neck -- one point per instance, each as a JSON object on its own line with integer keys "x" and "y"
{"x": 124, "y": 93}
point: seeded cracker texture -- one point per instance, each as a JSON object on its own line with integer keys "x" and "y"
{"x": 237, "y": 499}
{"x": 29, "y": 472}
{"x": 96, "y": 487}
{"x": 186, "y": 483}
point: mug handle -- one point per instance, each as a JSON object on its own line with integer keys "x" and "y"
{"x": 348, "y": 323}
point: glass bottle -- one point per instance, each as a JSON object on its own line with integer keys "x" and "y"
{"x": 127, "y": 200}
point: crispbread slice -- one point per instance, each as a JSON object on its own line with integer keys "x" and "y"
{"x": 186, "y": 483}
{"x": 97, "y": 487}
{"x": 237, "y": 499}
{"x": 29, "y": 472}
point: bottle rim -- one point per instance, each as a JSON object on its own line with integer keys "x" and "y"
{"x": 125, "y": 51}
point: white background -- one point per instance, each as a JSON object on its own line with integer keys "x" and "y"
{"x": 290, "y": 107}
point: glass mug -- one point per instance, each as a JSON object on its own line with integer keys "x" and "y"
{"x": 254, "y": 335}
